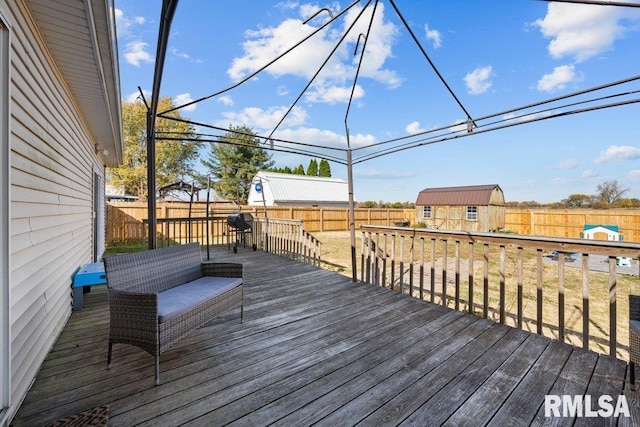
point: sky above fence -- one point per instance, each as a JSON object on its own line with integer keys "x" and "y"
{"x": 441, "y": 86}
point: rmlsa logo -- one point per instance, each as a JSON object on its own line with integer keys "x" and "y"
{"x": 582, "y": 406}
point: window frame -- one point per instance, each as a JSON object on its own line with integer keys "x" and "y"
{"x": 430, "y": 212}
{"x": 472, "y": 213}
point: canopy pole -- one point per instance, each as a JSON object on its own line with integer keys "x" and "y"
{"x": 166, "y": 18}
{"x": 352, "y": 217}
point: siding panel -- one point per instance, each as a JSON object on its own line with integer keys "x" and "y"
{"x": 52, "y": 163}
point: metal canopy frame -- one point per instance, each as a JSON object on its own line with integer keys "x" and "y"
{"x": 543, "y": 110}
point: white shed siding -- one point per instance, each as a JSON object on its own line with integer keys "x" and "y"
{"x": 52, "y": 163}
{"x": 298, "y": 190}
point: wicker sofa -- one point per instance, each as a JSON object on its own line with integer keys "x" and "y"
{"x": 159, "y": 296}
{"x": 634, "y": 337}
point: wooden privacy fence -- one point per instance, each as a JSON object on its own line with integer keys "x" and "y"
{"x": 125, "y": 220}
{"x": 570, "y": 222}
{"x": 512, "y": 279}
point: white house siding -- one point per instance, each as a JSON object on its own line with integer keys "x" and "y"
{"x": 52, "y": 161}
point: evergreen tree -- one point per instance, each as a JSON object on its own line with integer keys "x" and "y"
{"x": 233, "y": 162}
{"x": 324, "y": 169}
{"x": 312, "y": 169}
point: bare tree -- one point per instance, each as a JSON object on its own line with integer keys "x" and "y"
{"x": 610, "y": 192}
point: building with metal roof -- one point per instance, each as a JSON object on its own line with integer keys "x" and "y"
{"x": 601, "y": 232}
{"x": 281, "y": 189}
{"x": 467, "y": 208}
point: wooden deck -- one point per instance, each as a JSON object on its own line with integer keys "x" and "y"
{"x": 317, "y": 348}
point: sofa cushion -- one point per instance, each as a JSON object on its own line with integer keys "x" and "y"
{"x": 180, "y": 299}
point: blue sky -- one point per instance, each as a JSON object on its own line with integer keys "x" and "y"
{"x": 495, "y": 56}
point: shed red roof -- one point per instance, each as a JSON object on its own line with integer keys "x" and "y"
{"x": 474, "y": 195}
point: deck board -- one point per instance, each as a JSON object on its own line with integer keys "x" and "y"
{"x": 317, "y": 348}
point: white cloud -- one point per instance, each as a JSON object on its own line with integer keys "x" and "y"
{"x": 582, "y": 31}
{"x": 558, "y": 79}
{"x": 588, "y": 173}
{"x": 265, "y": 44}
{"x": 135, "y": 96}
{"x": 383, "y": 174}
{"x": 261, "y": 120}
{"x": 433, "y": 35}
{"x": 634, "y": 174}
{"x": 325, "y": 138}
{"x": 479, "y": 80}
{"x": 124, "y": 23}
{"x": 184, "y": 98}
{"x": 184, "y": 55}
{"x": 568, "y": 164}
{"x": 287, "y": 5}
{"x": 226, "y": 100}
{"x": 618, "y": 153}
{"x": 334, "y": 95}
{"x": 526, "y": 117}
{"x": 413, "y": 128}
{"x": 135, "y": 53}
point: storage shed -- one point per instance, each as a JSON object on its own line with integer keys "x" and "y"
{"x": 282, "y": 189}
{"x": 601, "y": 232}
{"x": 478, "y": 208}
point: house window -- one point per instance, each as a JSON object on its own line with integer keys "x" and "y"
{"x": 426, "y": 211}
{"x": 472, "y": 213}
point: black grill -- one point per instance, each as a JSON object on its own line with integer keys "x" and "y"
{"x": 240, "y": 221}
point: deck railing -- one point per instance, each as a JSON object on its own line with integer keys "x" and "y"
{"x": 287, "y": 237}
{"x": 283, "y": 237}
{"x": 572, "y": 296}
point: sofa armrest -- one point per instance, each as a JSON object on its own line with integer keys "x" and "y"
{"x": 222, "y": 269}
{"x": 134, "y": 318}
{"x": 634, "y": 307}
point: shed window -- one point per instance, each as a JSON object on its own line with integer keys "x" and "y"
{"x": 472, "y": 213}
{"x": 426, "y": 211}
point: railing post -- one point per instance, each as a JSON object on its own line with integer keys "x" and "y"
{"x": 485, "y": 281}
{"x": 401, "y": 264}
{"x": 411, "y": 261}
{"x": 561, "y": 296}
{"x": 393, "y": 261}
{"x": 433, "y": 269}
{"x": 376, "y": 266}
{"x": 502, "y": 283}
{"x": 362, "y": 245}
{"x": 457, "y": 276}
{"x": 613, "y": 294}
{"x": 421, "y": 268}
{"x": 585, "y": 301}
{"x": 444, "y": 272}
{"x": 471, "y": 266}
{"x": 384, "y": 263}
{"x": 520, "y": 284}
{"x": 539, "y": 287}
